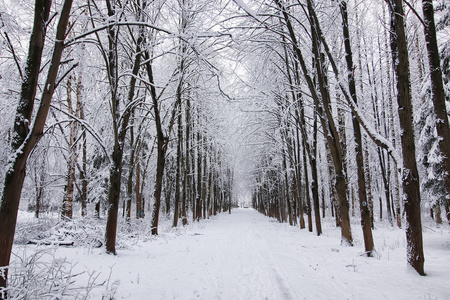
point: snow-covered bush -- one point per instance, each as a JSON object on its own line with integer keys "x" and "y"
{"x": 41, "y": 275}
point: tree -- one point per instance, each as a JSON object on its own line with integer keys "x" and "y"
{"x": 24, "y": 137}
{"x": 366, "y": 223}
{"x": 437, "y": 90}
{"x": 410, "y": 180}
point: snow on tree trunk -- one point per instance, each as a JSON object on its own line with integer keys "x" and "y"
{"x": 24, "y": 139}
{"x": 410, "y": 179}
{"x": 366, "y": 223}
{"x": 437, "y": 89}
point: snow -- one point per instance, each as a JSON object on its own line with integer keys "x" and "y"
{"x": 246, "y": 8}
{"x": 246, "y": 255}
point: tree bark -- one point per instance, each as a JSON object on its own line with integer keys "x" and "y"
{"x": 366, "y": 223}
{"x": 410, "y": 179}
{"x": 187, "y": 157}
{"x": 161, "y": 149}
{"x": 83, "y": 171}
{"x": 120, "y": 132}
{"x": 66, "y": 211}
{"x": 178, "y": 159}
{"x": 330, "y": 131}
{"x": 24, "y": 140}
{"x": 437, "y": 90}
{"x": 315, "y": 179}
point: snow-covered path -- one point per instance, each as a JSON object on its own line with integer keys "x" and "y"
{"x": 246, "y": 255}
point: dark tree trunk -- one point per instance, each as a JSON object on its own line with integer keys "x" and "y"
{"x": 315, "y": 179}
{"x": 131, "y": 164}
{"x": 204, "y": 177}
{"x": 161, "y": 142}
{"x": 410, "y": 180}
{"x": 115, "y": 170}
{"x": 437, "y": 89}
{"x": 115, "y": 174}
{"x": 178, "y": 159}
{"x": 83, "y": 171}
{"x": 139, "y": 205}
{"x": 198, "y": 204}
{"x": 329, "y": 129}
{"x": 187, "y": 157}
{"x": 161, "y": 150}
{"x": 286, "y": 180}
{"x": 366, "y": 223}
{"x": 24, "y": 138}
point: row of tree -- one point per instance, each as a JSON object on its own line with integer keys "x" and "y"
{"x": 124, "y": 104}
{"x": 331, "y": 90}
{"x": 126, "y": 112}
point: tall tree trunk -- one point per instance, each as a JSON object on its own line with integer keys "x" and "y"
{"x": 437, "y": 89}
{"x": 410, "y": 180}
{"x": 161, "y": 149}
{"x": 204, "y": 177}
{"x": 198, "y": 204}
{"x": 286, "y": 180}
{"x": 116, "y": 164}
{"x": 187, "y": 157}
{"x": 298, "y": 170}
{"x": 131, "y": 164}
{"x": 120, "y": 131}
{"x": 178, "y": 163}
{"x": 315, "y": 179}
{"x": 25, "y": 139}
{"x": 329, "y": 129}
{"x": 139, "y": 206}
{"x": 365, "y": 142}
{"x": 83, "y": 171}
{"x": 67, "y": 211}
{"x": 362, "y": 194}
{"x": 392, "y": 130}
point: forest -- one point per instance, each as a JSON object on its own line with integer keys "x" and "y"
{"x": 138, "y": 116}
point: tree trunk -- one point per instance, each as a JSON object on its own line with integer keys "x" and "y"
{"x": 329, "y": 131}
{"x": 178, "y": 159}
{"x": 161, "y": 149}
{"x": 437, "y": 213}
{"x": 315, "y": 179}
{"x": 365, "y": 147}
{"x": 437, "y": 89}
{"x": 298, "y": 171}
{"x": 198, "y": 204}
{"x": 187, "y": 157}
{"x": 362, "y": 194}
{"x": 204, "y": 177}
{"x": 83, "y": 171}
{"x": 286, "y": 180}
{"x": 410, "y": 180}
{"x": 66, "y": 212}
{"x": 131, "y": 164}
{"x": 120, "y": 132}
{"x": 25, "y": 139}
{"x": 139, "y": 205}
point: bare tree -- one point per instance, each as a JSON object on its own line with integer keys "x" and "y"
{"x": 410, "y": 179}
{"x": 24, "y": 137}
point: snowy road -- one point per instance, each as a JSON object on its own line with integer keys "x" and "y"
{"x": 246, "y": 255}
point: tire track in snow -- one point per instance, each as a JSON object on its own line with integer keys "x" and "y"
{"x": 319, "y": 282}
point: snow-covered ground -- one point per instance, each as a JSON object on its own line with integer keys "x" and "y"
{"x": 246, "y": 255}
